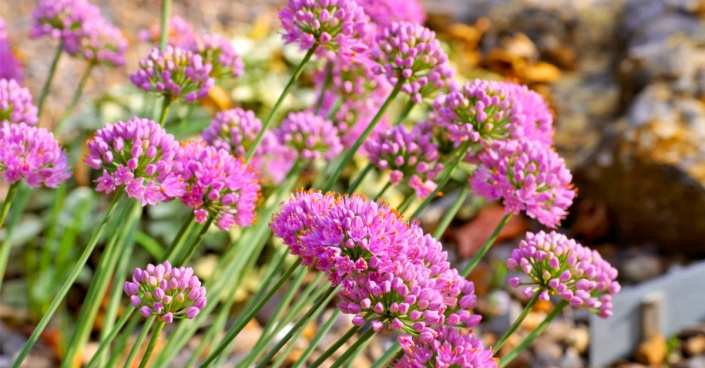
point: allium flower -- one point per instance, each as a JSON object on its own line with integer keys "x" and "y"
{"x": 407, "y": 153}
{"x": 11, "y": 68}
{"x": 560, "y": 266}
{"x": 310, "y": 135}
{"x": 219, "y": 52}
{"x": 529, "y": 175}
{"x": 218, "y": 185}
{"x": 336, "y": 26}
{"x": 101, "y": 43}
{"x": 139, "y": 155}
{"x": 272, "y": 159}
{"x": 296, "y": 217}
{"x": 16, "y": 103}
{"x": 32, "y": 154}
{"x": 166, "y": 292}
{"x": 486, "y": 111}
{"x": 174, "y": 73}
{"x": 451, "y": 348}
{"x": 384, "y": 12}
{"x": 181, "y": 33}
{"x": 63, "y": 19}
{"x": 411, "y": 52}
{"x": 233, "y": 130}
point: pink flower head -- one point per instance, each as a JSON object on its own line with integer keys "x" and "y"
{"x": 233, "y": 130}
{"x": 220, "y": 184}
{"x": 557, "y": 265}
{"x": 449, "y": 348}
{"x": 181, "y": 33}
{"x": 11, "y": 68}
{"x": 101, "y": 43}
{"x": 485, "y": 111}
{"x": 16, "y": 103}
{"x": 529, "y": 175}
{"x": 63, "y": 19}
{"x": 31, "y": 154}
{"x": 219, "y": 52}
{"x": 175, "y": 73}
{"x": 411, "y": 53}
{"x": 385, "y": 12}
{"x": 407, "y": 154}
{"x": 296, "y": 217}
{"x": 166, "y": 292}
{"x": 310, "y": 135}
{"x": 273, "y": 159}
{"x": 138, "y": 155}
{"x": 335, "y": 26}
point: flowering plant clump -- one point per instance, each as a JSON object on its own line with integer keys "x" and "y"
{"x": 11, "y": 68}
{"x": 181, "y": 33}
{"x": 139, "y": 155}
{"x": 557, "y": 265}
{"x": 218, "y": 185}
{"x": 530, "y": 176}
{"x": 310, "y": 135}
{"x": 16, "y": 103}
{"x": 233, "y": 130}
{"x": 451, "y": 348}
{"x": 102, "y": 43}
{"x": 407, "y": 153}
{"x": 166, "y": 292}
{"x": 411, "y": 53}
{"x": 63, "y": 19}
{"x": 334, "y": 26}
{"x": 219, "y": 52}
{"x": 31, "y": 154}
{"x": 175, "y": 73}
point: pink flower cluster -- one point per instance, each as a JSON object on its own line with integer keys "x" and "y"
{"x": 451, "y": 348}
{"x": 218, "y": 185}
{"x": 16, "y": 103}
{"x": 166, "y": 292}
{"x": 411, "y": 53}
{"x": 181, "y": 33}
{"x": 310, "y": 135}
{"x": 102, "y": 43}
{"x": 557, "y": 265}
{"x": 219, "y": 52}
{"x": 407, "y": 153}
{"x": 384, "y": 12}
{"x": 31, "y": 154}
{"x": 529, "y": 176}
{"x": 175, "y": 73}
{"x": 11, "y": 68}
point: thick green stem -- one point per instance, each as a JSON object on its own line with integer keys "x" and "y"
{"x": 405, "y": 113}
{"x": 351, "y": 152}
{"x": 535, "y": 333}
{"x": 285, "y": 92}
{"x": 333, "y": 348}
{"x": 452, "y": 211}
{"x": 165, "y": 109}
{"x": 105, "y": 341}
{"x": 180, "y": 238}
{"x": 354, "y": 348}
{"x": 69, "y": 281}
{"x": 5, "y": 250}
{"x": 140, "y": 339}
{"x": 50, "y": 77}
{"x": 383, "y": 190}
{"x": 198, "y": 240}
{"x": 359, "y": 178}
{"x": 532, "y": 302}
{"x": 74, "y": 101}
{"x": 485, "y": 247}
{"x": 164, "y": 35}
{"x": 152, "y": 343}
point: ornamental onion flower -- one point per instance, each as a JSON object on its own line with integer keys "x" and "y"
{"x": 219, "y": 52}
{"x": 166, "y": 292}
{"x": 272, "y": 159}
{"x": 557, "y": 265}
{"x": 101, "y": 43}
{"x": 233, "y": 130}
{"x": 63, "y": 19}
{"x": 218, "y": 185}
{"x": 181, "y": 33}
{"x": 407, "y": 154}
{"x": 384, "y": 12}
{"x": 310, "y": 135}
{"x": 335, "y": 26}
{"x": 138, "y": 155}
{"x": 16, "y": 103}
{"x": 450, "y": 348}
{"x": 11, "y": 68}
{"x": 529, "y": 176}
{"x": 175, "y": 73}
{"x": 411, "y": 52}
{"x": 31, "y": 154}
{"x": 296, "y": 216}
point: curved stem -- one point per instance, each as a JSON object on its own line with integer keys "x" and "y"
{"x": 152, "y": 343}
{"x": 383, "y": 190}
{"x": 353, "y": 349}
{"x": 532, "y": 302}
{"x": 285, "y": 92}
{"x": 180, "y": 239}
{"x": 405, "y": 113}
{"x": 452, "y": 211}
{"x": 333, "y": 348}
{"x": 164, "y": 36}
{"x": 316, "y": 339}
{"x": 485, "y": 247}
{"x": 351, "y": 152}
{"x": 535, "y": 333}
{"x": 50, "y": 77}
{"x": 198, "y": 240}
{"x": 140, "y": 339}
{"x": 359, "y": 178}
{"x": 69, "y": 281}
{"x": 165, "y": 111}
{"x": 74, "y": 100}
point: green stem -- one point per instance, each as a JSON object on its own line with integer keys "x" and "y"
{"x": 74, "y": 101}
{"x": 390, "y": 356}
{"x": 67, "y": 284}
{"x": 180, "y": 239}
{"x": 285, "y": 92}
{"x": 316, "y": 339}
{"x": 50, "y": 77}
{"x": 359, "y": 178}
{"x": 5, "y": 250}
{"x": 7, "y": 202}
{"x": 121, "y": 342}
{"x": 354, "y": 348}
{"x": 138, "y": 343}
{"x": 105, "y": 341}
{"x": 452, "y": 211}
{"x": 333, "y": 348}
{"x": 152, "y": 343}
{"x": 383, "y": 190}
{"x": 165, "y": 106}
{"x": 351, "y": 152}
{"x": 535, "y": 333}
{"x": 164, "y": 36}
{"x": 326, "y": 83}
{"x": 532, "y": 302}
{"x": 405, "y": 113}
{"x": 406, "y": 203}
{"x": 198, "y": 240}
{"x": 485, "y": 247}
